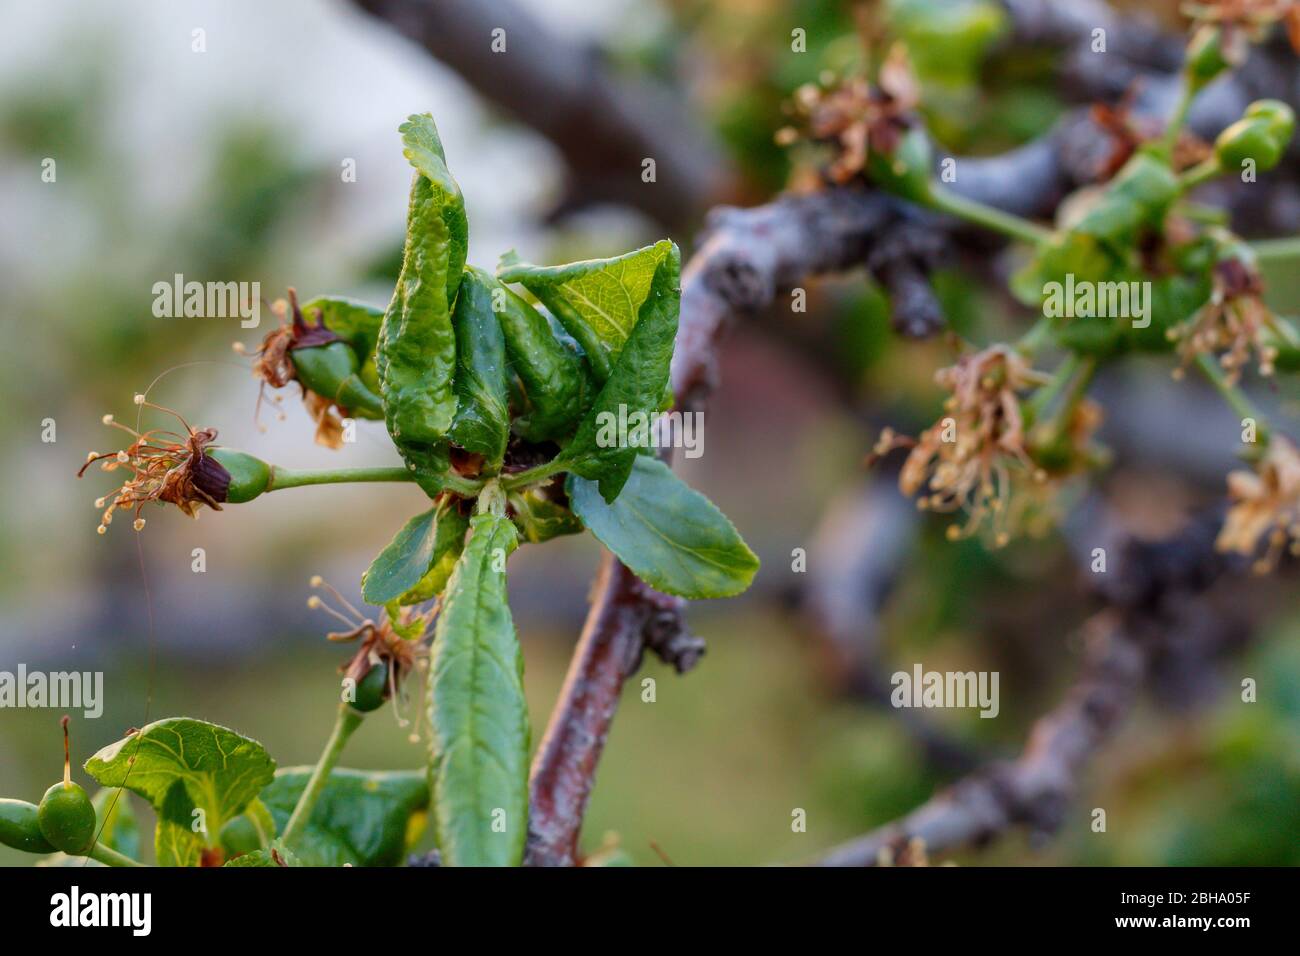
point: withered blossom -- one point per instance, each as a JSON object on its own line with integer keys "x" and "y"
{"x": 1126, "y": 131}
{"x": 858, "y": 117}
{"x": 976, "y": 458}
{"x": 1232, "y": 325}
{"x": 165, "y": 466}
{"x": 398, "y": 645}
{"x": 1247, "y": 21}
{"x": 275, "y": 367}
{"x": 1265, "y": 511}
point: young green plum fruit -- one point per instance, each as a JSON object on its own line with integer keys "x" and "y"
{"x": 371, "y": 689}
{"x": 66, "y": 815}
{"x": 20, "y": 827}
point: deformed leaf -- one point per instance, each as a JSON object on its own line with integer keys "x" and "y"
{"x": 416, "y": 353}
{"x": 668, "y": 534}
{"x": 556, "y": 382}
{"x": 482, "y": 422}
{"x": 362, "y": 816}
{"x": 597, "y": 300}
{"x": 219, "y": 770}
{"x": 479, "y": 745}
{"x": 448, "y": 542}
{"x": 540, "y": 518}
{"x": 635, "y": 390}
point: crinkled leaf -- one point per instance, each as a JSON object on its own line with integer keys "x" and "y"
{"x": 479, "y": 746}
{"x": 554, "y": 377}
{"x": 219, "y": 770}
{"x": 668, "y": 534}
{"x": 634, "y": 392}
{"x": 416, "y": 352}
{"x": 597, "y": 300}
{"x": 482, "y": 422}
{"x": 540, "y": 518}
{"x": 362, "y": 817}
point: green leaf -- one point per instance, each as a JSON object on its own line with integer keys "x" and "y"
{"x": 555, "y": 378}
{"x": 479, "y": 746}
{"x": 176, "y": 842}
{"x": 449, "y": 541}
{"x": 404, "y": 561}
{"x": 416, "y": 353}
{"x": 634, "y": 392}
{"x": 362, "y": 817}
{"x": 482, "y": 422}
{"x": 218, "y": 770}
{"x": 276, "y": 855}
{"x": 116, "y": 824}
{"x": 539, "y": 518}
{"x": 668, "y": 534}
{"x": 597, "y": 300}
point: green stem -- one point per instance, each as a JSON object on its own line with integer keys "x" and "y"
{"x": 977, "y": 212}
{"x": 110, "y": 857}
{"x": 288, "y": 478}
{"x": 532, "y": 475}
{"x": 1046, "y": 395}
{"x": 1199, "y": 173}
{"x": 1179, "y": 118}
{"x": 1268, "y": 250}
{"x": 1234, "y": 396}
{"x": 348, "y": 721}
{"x": 1037, "y": 334}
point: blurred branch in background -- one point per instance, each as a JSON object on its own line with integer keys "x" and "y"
{"x": 1153, "y": 597}
{"x": 604, "y": 126}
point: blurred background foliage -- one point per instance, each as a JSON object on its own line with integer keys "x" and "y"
{"x": 226, "y": 165}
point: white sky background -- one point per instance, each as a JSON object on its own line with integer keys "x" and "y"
{"x": 337, "y": 83}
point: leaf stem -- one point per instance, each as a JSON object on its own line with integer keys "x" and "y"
{"x": 1199, "y": 173}
{"x": 1270, "y": 250}
{"x": 348, "y": 721}
{"x": 288, "y": 478}
{"x": 1233, "y": 395}
{"x": 1178, "y": 119}
{"x": 110, "y": 857}
{"x": 532, "y": 475}
{"x": 977, "y": 212}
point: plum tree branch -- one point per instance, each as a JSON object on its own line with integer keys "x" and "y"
{"x": 1150, "y": 598}
{"x": 605, "y": 127}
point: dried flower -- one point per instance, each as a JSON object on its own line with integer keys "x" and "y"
{"x": 398, "y": 646}
{"x": 1234, "y": 323}
{"x": 165, "y": 466}
{"x": 1265, "y": 507}
{"x": 1248, "y": 20}
{"x": 275, "y": 367}
{"x": 975, "y": 459}
{"x": 858, "y": 118}
{"x": 1127, "y": 131}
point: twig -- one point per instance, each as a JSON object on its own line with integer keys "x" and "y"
{"x": 1149, "y": 598}
{"x": 605, "y": 128}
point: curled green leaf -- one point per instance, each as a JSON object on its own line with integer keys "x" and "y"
{"x": 635, "y": 390}
{"x": 482, "y": 422}
{"x": 597, "y": 300}
{"x": 415, "y": 356}
{"x": 403, "y": 569}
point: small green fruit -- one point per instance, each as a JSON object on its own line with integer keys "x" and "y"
{"x": 67, "y": 818}
{"x": 248, "y": 476}
{"x": 20, "y": 827}
{"x": 371, "y": 689}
